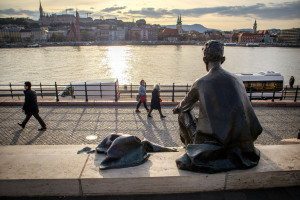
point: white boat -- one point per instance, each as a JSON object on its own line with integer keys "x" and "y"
{"x": 33, "y": 45}
{"x": 229, "y": 44}
{"x": 252, "y": 45}
{"x": 92, "y": 89}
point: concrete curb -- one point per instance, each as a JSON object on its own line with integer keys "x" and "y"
{"x": 45, "y": 103}
{"x": 129, "y": 103}
{"x": 60, "y": 171}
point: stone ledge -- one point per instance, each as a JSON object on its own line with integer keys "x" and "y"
{"x": 134, "y": 103}
{"x": 60, "y": 171}
{"x": 40, "y": 170}
{"x": 290, "y": 141}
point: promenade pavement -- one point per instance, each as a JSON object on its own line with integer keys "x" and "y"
{"x": 290, "y": 193}
{"x": 74, "y": 125}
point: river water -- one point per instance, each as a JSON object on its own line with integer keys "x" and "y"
{"x": 165, "y": 64}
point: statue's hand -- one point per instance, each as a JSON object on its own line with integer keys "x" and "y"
{"x": 175, "y": 110}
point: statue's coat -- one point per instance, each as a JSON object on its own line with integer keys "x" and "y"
{"x": 226, "y": 127}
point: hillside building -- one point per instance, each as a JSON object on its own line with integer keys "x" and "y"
{"x": 290, "y": 35}
{"x": 173, "y": 34}
{"x": 262, "y": 36}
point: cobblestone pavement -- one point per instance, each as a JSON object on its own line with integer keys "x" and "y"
{"x": 76, "y": 125}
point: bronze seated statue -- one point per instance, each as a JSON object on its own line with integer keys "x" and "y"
{"x": 222, "y": 136}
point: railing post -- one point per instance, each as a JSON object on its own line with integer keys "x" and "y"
{"x": 116, "y": 95}
{"x": 11, "y": 92}
{"x": 85, "y": 89}
{"x": 262, "y": 92}
{"x": 285, "y": 91}
{"x": 56, "y": 93}
{"x": 72, "y": 91}
{"x": 273, "y": 93}
{"x": 100, "y": 90}
{"x": 131, "y": 90}
{"x": 250, "y": 93}
{"x": 296, "y": 93}
{"x": 173, "y": 92}
{"x": 41, "y": 90}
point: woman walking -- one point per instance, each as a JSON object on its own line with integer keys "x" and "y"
{"x": 142, "y": 97}
{"x": 155, "y": 101}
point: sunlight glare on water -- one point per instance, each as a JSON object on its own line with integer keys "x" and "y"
{"x": 165, "y": 64}
{"x": 117, "y": 62}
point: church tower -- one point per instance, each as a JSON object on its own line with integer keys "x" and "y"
{"x": 73, "y": 33}
{"x": 41, "y": 11}
{"x": 179, "y": 25}
{"x": 255, "y": 27}
{"x": 77, "y": 18}
{"x": 77, "y": 27}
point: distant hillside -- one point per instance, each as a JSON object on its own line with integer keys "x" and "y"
{"x": 245, "y": 30}
{"x": 274, "y": 30}
{"x": 194, "y": 27}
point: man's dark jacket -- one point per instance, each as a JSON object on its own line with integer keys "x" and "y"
{"x": 30, "y": 105}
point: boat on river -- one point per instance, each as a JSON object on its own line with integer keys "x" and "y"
{"x": 263, "y": 85}
{"x": 252, "y": 45}
{"x": 229, "y": 44}
{"x": 33, "y": 45}
{"x": 107, "y": 89}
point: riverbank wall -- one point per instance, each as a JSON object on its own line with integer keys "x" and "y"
{"x": 121, "y": 43}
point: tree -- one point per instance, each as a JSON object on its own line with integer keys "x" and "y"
{"x": 280, "y": 39}
{"x": 85, "y": 36}
{"x": 6, "y": 38}
{"x": 160, "y": 35}
{"x": 202, "y": 37}
{"x": 33, "y": 25}
{"x": 17, "y": 21}
{"x": 183, "y": 37}
{"x": 215, "y": 36}
{"x": 57, "y": 37}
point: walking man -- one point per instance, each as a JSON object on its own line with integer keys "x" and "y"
{"x": 30, "y": 107}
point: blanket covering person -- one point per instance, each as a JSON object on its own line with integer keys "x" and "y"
{"x": 124, "y": 150}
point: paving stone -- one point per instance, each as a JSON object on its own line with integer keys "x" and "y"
{"x": 72, "y": 124}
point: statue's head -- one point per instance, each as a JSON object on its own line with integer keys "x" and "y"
{"x": 213, "y": 52}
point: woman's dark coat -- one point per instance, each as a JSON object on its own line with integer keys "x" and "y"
{"x": 30, "y": 105}
{"x": 155, "y": 103}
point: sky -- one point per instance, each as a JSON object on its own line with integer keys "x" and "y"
{"x": 217, "y": 14}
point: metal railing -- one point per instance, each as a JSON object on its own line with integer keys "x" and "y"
{"x": 115, "y": 92}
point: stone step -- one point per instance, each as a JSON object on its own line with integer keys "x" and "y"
{"x": 60, "y": 171}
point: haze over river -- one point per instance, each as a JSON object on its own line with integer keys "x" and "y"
{"x": 165, "y": 64}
